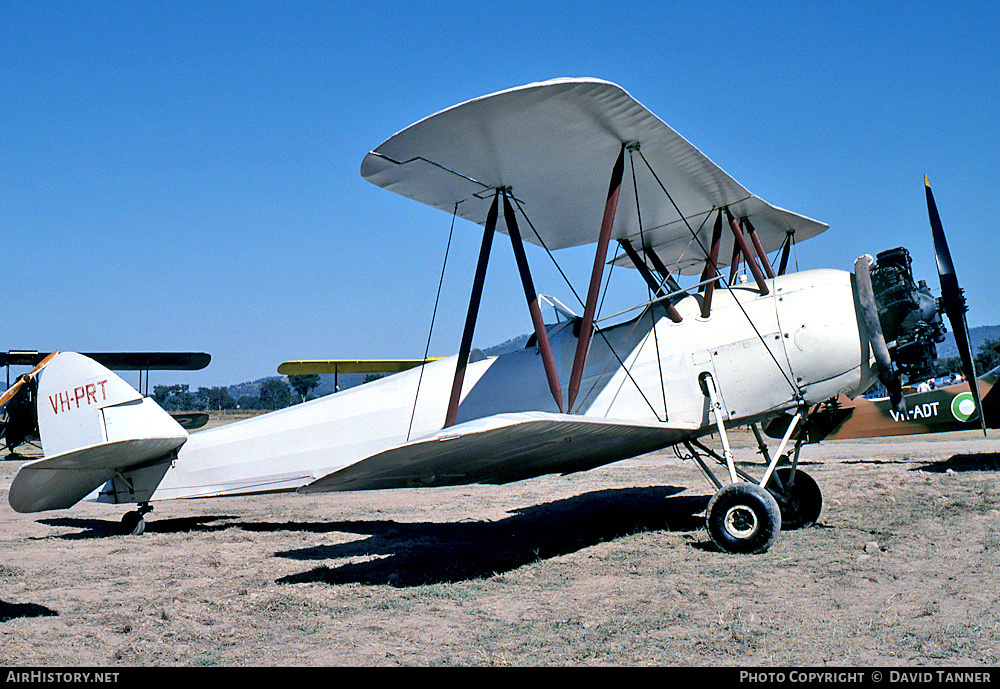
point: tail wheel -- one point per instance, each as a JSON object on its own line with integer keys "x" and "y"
{"x": 132, "y": 524}
{"x": 800, "y": 501}
{"x": 743, "y": 518}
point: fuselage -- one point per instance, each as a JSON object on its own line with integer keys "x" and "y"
{"x": 800, "y": 344}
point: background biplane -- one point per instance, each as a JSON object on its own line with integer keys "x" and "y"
{"x": 304, "y": 367}
{"x": 945, "y": 409}
{"x": 586, "y": 391}
{"x": 19, "y": 419}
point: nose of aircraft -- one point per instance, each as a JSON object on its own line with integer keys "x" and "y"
{"x": 826, "y": 340}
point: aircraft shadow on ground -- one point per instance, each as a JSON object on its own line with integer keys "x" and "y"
{"x": 12, "y": 611}
{"x": 978, "y": 461}
{"x": 102, "y": 528}
{"x": 420, "y": 553}
{"x": 415, "y": 554}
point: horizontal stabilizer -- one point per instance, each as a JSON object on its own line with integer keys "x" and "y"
{"x": 56, "y": 483}
{"x": 92, "y": 424}
{"x": 501, "y": 449}
{"x": 190, "y": 421}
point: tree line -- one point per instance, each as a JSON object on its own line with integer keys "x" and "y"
{"x": 274, "y": 394}
{"x": 986, "y": 359}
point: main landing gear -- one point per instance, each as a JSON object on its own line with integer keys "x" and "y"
{"x": 743, "y": 518}
{"x": 746, "y": 515}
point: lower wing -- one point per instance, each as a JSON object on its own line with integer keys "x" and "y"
{"x": 501, "y": 449}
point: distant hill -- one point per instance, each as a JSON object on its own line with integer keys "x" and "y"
{"x": 507, "y": 346}
{"x": 252, "y": 389}
{"x": 977, "y": 336}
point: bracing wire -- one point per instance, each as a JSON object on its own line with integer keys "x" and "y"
{"x": 430, "y": 330}
{"x": 724, "y": 282}
{"x": 649, "y": 292}
{"x": 600, "y": 332}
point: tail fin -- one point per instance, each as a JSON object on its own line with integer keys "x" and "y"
{"x": 991, "y": 400}
{"x": 92, "y": 424}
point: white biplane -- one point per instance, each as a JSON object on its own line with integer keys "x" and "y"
{"x": 686, "y": 363}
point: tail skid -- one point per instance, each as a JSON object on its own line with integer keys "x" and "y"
{"x": 93, "y": 426}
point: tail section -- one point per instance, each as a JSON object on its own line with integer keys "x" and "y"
{"x": 93, "y": 425}
{"x": 991, "y": 400}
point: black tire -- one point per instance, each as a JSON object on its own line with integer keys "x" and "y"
{"x": 743, "y": 518}
{"x": 801, "y": 502}
{"x": 133, "y": 524}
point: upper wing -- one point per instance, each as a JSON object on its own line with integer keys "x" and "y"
{"x": 553, "y": 144}
{"x": 500, "y": 449}
{"x": 122, "y": 361}
{"x": 306, "y": 367}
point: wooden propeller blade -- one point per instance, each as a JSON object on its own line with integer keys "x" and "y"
{"x": 6, "y": 397}
{"x": 953, "y": 301}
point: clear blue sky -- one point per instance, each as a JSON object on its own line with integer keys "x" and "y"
{"x": 185, "y": 175}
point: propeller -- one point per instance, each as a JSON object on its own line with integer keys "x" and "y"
{"x": 866, "y": 295}
{"x": 20, "y": 419}
{"x": 953, "y": 301}
{"x": 23, "y": 380}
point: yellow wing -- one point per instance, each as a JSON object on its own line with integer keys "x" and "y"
{"x": 306, "y": 367}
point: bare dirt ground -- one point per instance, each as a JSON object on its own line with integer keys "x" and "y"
{"x": 608, "y": 567}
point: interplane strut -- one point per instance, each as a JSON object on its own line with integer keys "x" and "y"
{"x": 587, "y": 326}
{"x": 541, "y": 335}
{"x": 473, "y": 313}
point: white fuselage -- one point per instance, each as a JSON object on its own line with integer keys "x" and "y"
{"x": 800, "y": 344}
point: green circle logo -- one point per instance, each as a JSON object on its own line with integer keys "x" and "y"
{"x": 963, "y": 407}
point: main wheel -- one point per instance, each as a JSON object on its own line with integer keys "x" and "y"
{"x": 800, "y": 502}
{"x": 743, "y": 518}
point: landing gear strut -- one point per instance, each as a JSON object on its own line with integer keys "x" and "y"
{"x": 743, "y": 517}
{"x": 746, "y": 515}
